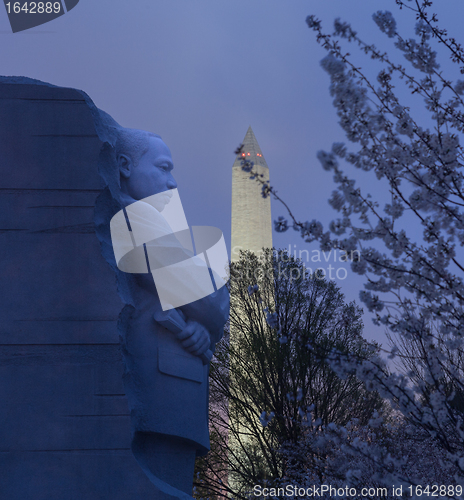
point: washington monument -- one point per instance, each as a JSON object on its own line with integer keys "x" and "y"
{"x": 251, "y": 213}
{"x": 251, "y": 230}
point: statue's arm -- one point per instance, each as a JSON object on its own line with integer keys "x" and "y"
{"x": 212, "y": 312}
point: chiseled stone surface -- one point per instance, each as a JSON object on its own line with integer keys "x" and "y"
{"x": 64, "y": 419}
{"x": 251, "y": 213}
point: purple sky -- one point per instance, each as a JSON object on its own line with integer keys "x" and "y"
{"x": 199, "y": 73}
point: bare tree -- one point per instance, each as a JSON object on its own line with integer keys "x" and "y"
{"x": 270, "y": 375}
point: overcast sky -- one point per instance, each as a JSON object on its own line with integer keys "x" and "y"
{"x": 199, "y": 72}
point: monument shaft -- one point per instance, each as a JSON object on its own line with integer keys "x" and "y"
{"x": 251, "y": 213}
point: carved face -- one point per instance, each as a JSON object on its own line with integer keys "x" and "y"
{"x": 152, "y": 175}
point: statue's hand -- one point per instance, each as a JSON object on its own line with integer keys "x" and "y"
{"x": 195, "y": 338}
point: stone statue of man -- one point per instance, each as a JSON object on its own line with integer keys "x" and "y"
{"x": 166, "y": 369}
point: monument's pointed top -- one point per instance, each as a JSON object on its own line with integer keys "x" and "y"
{"x": 251, "y": 150}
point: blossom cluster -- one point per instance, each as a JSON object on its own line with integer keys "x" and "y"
{"x": 414, "y": 283}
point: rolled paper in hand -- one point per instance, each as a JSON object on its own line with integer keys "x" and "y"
{"x": 174, "y": 321}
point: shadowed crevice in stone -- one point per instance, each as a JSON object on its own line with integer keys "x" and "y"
{"x": 86, "y": 228}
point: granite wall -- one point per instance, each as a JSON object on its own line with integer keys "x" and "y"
{"x": 64, "y": 422}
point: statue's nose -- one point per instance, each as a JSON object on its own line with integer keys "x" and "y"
{"x": 172, "y": 184}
